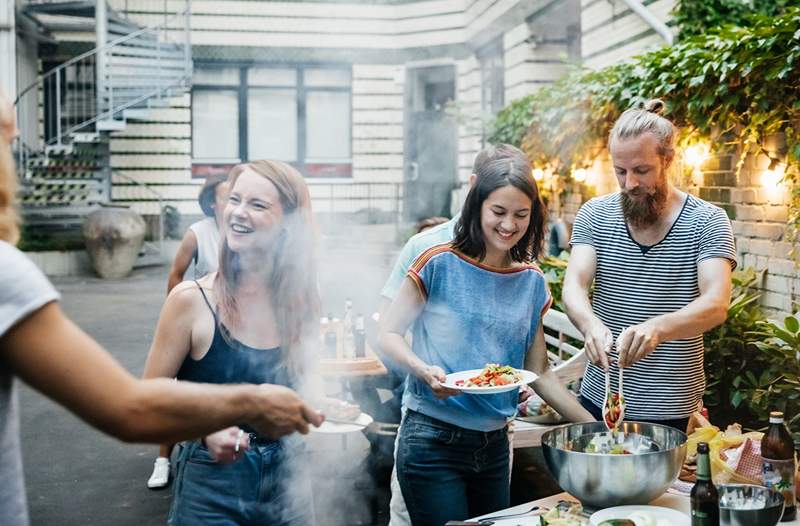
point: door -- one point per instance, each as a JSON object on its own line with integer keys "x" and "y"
{"x": 430, "y": 142}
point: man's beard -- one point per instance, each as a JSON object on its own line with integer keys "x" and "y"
{"x": 642, "y": 209}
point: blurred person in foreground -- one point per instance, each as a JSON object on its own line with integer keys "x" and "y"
{"x": 40, "y": 345}
{"x": 650, "y": 271}
{"x": 200, "y": 245}
{"x": 256, "y": 321}
{"x": 476, "y": 300}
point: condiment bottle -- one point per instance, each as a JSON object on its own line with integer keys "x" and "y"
{"x": 704, "y": 496}
{"x": 778, "y": 463}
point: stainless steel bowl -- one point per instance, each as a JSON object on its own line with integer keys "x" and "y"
{"x": 599, "y": 480}
{"x": 731, "y": 512}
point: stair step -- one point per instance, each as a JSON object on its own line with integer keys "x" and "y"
{"x": 137, "y": 113}
{"x": 149, "y": 52}
{"x": 110, "y": 125}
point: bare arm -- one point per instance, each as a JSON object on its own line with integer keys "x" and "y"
{"x": 405, "y": 308}
{"x": 549, "y": 386}
{"x": 173, "y": 338}
{"x": 56, "y": 357}
{"x": 707, "y": 311}
{"x": 577, "y": 283}
{"x": 183, "y": 258}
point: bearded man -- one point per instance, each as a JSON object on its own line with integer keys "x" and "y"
{"x": 659, "y": 261}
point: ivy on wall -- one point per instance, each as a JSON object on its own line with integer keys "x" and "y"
{"x": 696, "y": 17}
{"x": 734, "y": 84}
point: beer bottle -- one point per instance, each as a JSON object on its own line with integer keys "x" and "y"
{"x": 360, "y": 337}
{"x": 778, "y": 464}
{"x": 704, "y": 496}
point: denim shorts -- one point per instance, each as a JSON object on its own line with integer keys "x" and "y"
{"x": 268, "y": 485}
{"x": 447, "y": 472}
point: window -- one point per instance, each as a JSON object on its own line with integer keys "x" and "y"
{"x": 298, "y": 115}
{"x": 490, "y": 58}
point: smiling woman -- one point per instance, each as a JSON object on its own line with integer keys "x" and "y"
{"x": 478, "y": 299}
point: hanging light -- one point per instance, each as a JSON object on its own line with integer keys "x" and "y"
{"x": 773, "y": 175}
{"x": 579, "y": 175}
{"x": 696, "y": 154}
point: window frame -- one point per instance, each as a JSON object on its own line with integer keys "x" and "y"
{"x": 202, "y": 167}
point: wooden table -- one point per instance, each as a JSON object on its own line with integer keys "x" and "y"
{"x": 527, "y": 434}
{"x": 667, "y": 500}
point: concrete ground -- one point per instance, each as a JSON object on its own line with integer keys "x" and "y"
{"x": 78, "y": 476}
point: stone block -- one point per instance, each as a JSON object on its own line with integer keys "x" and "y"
{"x": 772, "y": 232}
{"x": 724, "y": 178}
{"x": 778, "y": 301}
{"x": 781, "y": 249}
{"x": 749, "y": 260}
{"x": 730, "y": 210}
{"x": 780, "y": 284}
{"x": 779, "y": 213}
{"x": 749, "y": 212}
{"x": 762, "y": 262}
{"x": 782, "y": 267}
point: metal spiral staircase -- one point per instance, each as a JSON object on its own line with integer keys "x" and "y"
{"x": 66, "y": 116}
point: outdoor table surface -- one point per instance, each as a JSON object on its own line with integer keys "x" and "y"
{"x": 527, "y": 434}
{"x": 667, "y": 500}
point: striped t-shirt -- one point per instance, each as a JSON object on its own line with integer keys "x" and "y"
{"x": 634, "y": 283}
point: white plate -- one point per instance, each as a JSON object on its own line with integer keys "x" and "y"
{"x": 360, "y": 423}
{"x": 452, "y": 378}
{"x": 663, "y": 516}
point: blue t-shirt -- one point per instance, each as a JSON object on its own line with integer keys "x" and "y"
{"x": 474, "y": 314}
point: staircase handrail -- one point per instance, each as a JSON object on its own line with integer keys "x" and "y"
{"x": 98, "y": 50}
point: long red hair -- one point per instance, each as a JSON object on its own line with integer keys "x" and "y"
{"x": 293, "y": 277}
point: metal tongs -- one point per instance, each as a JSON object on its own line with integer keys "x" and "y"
{"x": 608, "y": 400}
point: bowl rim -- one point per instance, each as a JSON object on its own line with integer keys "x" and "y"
{"x": 728, "y": 508}
{"x": 571, "y": 424}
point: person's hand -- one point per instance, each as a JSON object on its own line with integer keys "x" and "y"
{"x": 525, "y": 392}
{"x": 597, "y": 342}
{"x": 280, "y": 411}
{"x": 433, "y": 375}
{"x": 8, "y": 125}
{"x": 636, "y": 342}
{"x": 222, "y": 445}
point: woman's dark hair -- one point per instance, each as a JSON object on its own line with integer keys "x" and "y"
{"x": 514, "y": 171}
{"x": 208, "y": 195}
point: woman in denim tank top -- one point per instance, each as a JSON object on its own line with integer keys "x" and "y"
{"x": 246, "y": 323}
{"x": 477, "y": 300}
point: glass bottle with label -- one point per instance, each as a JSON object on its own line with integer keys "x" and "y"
{"x": 348, "y": 345}
{"x": 778, "y": 463}
{"x": 330, "y": 337}
{"x": 704, "y": 496}
{"x": 360, "y": 337}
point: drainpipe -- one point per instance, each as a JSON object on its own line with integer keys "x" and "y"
{"x": 101, "y": 60}
{"x": 660, "y": 27}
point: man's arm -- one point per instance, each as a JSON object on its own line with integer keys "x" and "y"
{"x": 575, "y": 295}
{"x": 549, "y": 386}
{"x": 704, "y": 313}
{"x": 56, "y": 357}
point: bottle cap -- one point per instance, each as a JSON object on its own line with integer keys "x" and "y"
{"x": 702, "y": 447}
{"x": 776, "y": 417}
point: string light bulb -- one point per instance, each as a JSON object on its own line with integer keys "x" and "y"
{"x": 538, "y": 174}
{"x": 696, "y": 154}
{"x": 773, "y": 175}
{"x": 579, "y": 175}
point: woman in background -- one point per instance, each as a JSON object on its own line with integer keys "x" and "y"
{"x": 249, "y": 322}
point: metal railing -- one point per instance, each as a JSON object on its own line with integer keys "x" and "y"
{"x": 138, "y": 66}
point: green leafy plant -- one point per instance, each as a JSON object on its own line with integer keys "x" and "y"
{"x": 730, "y": 354}
{"x": 554, "y": 269}
{"x": 695, "y": 17}
{"x": 777, "y": 387}
{"x": 734, "y": 85}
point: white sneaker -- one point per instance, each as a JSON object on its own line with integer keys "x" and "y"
{"x": 160, "y": 476}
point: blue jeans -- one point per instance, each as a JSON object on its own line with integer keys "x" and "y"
{"x": 266, "y": 486}
{"x": 447, "y": 472}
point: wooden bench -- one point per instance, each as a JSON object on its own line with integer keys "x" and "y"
{"x": 567, "y": 361}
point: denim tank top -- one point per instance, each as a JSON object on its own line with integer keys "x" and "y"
{"x": 228, "y": 361}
